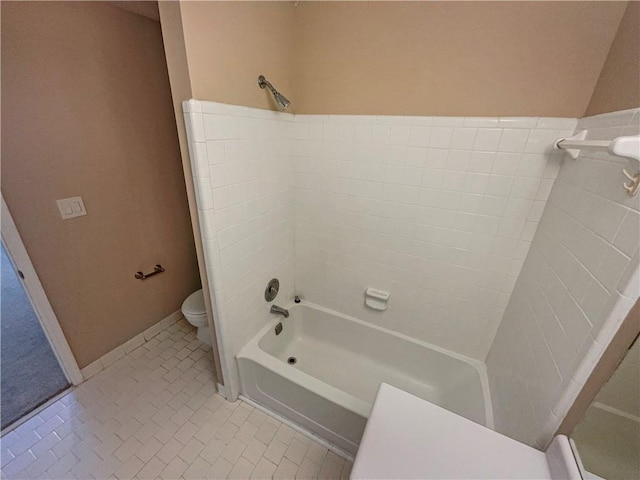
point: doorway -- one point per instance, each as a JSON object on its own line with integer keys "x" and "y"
{"x": 29, "y": 370}
{"x": 36, "y": 362}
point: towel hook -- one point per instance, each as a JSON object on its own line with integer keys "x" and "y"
{"x": 634, "y": 185}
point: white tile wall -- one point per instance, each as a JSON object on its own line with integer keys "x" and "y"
{"x": 579, "y": 280}
{"x": 243, "y": 177}
{"x": 438, "y": 211}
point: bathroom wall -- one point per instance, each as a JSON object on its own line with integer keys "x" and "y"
{"x": 243, "y": 176}
{"x": 451, "y": 58}
{"x": 439, "y": 211}
{"x": 86, "y": 110}
{"x": 618, "y": 87}
{"x": 448, "y": 58}
{"x": 580, "y": 279}
{"x": 228, "y": 44}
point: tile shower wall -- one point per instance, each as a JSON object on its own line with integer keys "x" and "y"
{"x": 243, "y": 177}
{"x": 578, "y": 282}
{"x": 438, "y": 211}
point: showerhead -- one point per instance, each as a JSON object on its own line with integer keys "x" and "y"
{"x": 282, "y": 101}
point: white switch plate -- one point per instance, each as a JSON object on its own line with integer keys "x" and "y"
{"x": 71, "y": 207}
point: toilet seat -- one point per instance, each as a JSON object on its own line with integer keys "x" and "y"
{"x": 194, "y": 304}
{"x": 195, "y": 312}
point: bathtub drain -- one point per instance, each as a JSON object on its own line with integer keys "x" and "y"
{"x": 292, "y": 360}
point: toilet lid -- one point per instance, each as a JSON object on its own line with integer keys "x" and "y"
{"x": 194, "y": 304}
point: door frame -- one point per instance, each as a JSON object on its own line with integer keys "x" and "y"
{"x": 38, "y": 298}
{"x": 615, "y": 352}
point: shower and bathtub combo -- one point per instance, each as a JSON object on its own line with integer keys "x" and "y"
{"x": 309, "y": 199}
{"x": 323, "y": 369}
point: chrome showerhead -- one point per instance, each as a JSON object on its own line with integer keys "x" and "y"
{"x": 282, "y": 101}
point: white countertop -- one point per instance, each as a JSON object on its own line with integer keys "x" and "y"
{"x": 407, "y": 437}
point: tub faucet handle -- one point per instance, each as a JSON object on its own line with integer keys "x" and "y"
{"x": 271, "y": 291}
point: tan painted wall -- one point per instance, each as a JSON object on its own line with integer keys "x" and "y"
{"x": 451, "y": 58}
{"x": 619, "y": 85}
{"x": 86, "y": 110}
{"x": 408, "y": 58}
{"x": 229, "y": 44}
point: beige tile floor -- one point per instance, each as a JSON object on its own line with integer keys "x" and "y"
{"x": 156, "y": 414}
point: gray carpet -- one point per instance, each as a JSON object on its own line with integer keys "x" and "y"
{"x": 29, "y": 371}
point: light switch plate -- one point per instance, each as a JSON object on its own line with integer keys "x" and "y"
{"x": 71, "y": 207}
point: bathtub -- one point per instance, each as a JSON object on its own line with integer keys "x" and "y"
{"x": 323, "y": 372}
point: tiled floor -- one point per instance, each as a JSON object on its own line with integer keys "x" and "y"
{"x": 155, "y": 414}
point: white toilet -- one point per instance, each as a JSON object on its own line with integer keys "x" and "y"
{"x": 195, "y": 312}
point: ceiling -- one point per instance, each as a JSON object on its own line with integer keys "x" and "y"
{"x": 146, "y": 8}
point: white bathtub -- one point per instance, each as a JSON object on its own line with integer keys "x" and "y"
{"x": 341, "y": 362}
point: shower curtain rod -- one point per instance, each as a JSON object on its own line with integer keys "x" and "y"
{"x": 627, "y": 146}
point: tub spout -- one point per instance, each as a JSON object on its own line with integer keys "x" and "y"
{"x": 279, "y": 311}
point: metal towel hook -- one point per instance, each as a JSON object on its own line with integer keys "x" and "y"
{"x": 634, "y": 185}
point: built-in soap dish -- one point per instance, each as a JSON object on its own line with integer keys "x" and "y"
{"x": 376, "y": 299}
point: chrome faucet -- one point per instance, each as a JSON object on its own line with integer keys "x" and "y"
{"x": 279, "y": 311}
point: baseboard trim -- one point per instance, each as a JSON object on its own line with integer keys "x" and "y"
{"x": 221, "y": 390}
{"x": 117, "y": 353}
{"x": 298, "y": 428}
